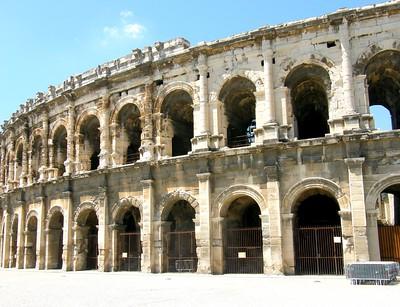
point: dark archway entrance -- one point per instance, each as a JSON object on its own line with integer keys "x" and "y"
{"x": 309, "y": 85}
{"x": 55, "y": 241}
{"x": 239, "y": 102}
{"x": 129, "y": 244}
{"x": 383, "y": 76}
{"x": 91, "y": 230}
{"x": 318, "y": 236}
{"x": 177, "y": 109}
{"x": 30, "y": 245}
{"x": 388, "y": 206}
{"x": 180, "y": 238}
{"x": 243, "y": 245}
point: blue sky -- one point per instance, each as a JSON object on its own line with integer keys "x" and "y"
{"x": 44, "y": 42}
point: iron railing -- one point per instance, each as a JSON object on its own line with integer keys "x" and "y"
{"x": 181, "y": 248}
{"x": 130, "y": 251}
{"x": 319, "y": 250}
{"x": 244, "y": 251}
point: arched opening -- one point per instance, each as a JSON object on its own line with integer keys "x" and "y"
{"x": 318, "y": 235}
{"x": 177, "y": 109}
{"x": 60, "y": 149}
{"x": 180, "y": 239}
{"x": 13, "y": 243}
{"x": 30, "y": 243}
{"x": 309, "y": 87}
{"x": 382, "y": 117}
{"x": 20, "y": 151}
{"x": 129, "y": 243}
{"x": 90, "y": 143}
{"x": 55, "y": 241}
{"x": 130, "y": 133}
{"x": 383, "y": 77}
{"x": 237, "y": 96}
{"x": 36, "y": 158}
{"x": 87, "y": 241}
{"x": 388, "y": 205}
{"x": 243, "y": 244}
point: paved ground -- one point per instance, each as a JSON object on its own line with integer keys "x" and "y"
{"x": 58, "y": 289}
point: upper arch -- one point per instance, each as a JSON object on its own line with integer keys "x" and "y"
{"x": 170, "y": 199}
{"x": 171, "y": 87}
{"x": 378, "y": 187}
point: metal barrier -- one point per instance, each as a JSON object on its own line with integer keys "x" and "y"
{"x": 181, "y": 247}
{"x": 243, "y": 251}
{"x": 377, "y": 272}
{"x": 319, "y": 251}
{"x": 92, "y": 252}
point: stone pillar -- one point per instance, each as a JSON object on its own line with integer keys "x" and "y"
{"x": 373, "y": 235}
{"x": 268, "y": 124}
{"x": 217, "y": 138}
{"x": 30, "y": 176}
{"x": 284, "y": 112}
{"x": 41, "y": 235}
{"x": 201, "y": 138}
{"x": 148, "y": 261}
{"x": 274, "y": 220}
{"x": 68, "y": 243}
{"x": 347, "y": 236}
{"x": 147, "y": 151}
{"x": 6, "y": 240}
{"x": 358, "y": 211}
{"x": 104, "y": 110}
{"x": 79, "y": 153}
{"x": 350, "y": 117}
{"x": 69, "y": 163}
{"x": 115, "y": 155}
{"x": 2, "y": 164}
{"x": 45, "y": 148}
{"x": 29, "y": 252}
{"x": 288, "y": 244}
{"x": 266, "y": 238}
{"x": 362, "y": 102}
{"x": 104, "y": 263}
{"x": 204, "y": 234}
{"x": 115, "y": 230}
{"x": 20, "y": 235}
{"x": 218, "y": 230}
{"x": 165, "y": 227}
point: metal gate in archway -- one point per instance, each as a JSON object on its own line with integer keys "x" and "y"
{"x": 389, "y": 242}
{"x": 318, "y": 250}
{"x": 181, "y": 247}
{"x": 92, "y": 252}
{"x": 130, "y": 251}
{"x": 244, "y": 251}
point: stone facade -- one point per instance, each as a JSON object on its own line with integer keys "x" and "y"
{"x": 167, "y": 125}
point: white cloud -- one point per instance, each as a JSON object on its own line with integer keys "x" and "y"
{"x": 125, "y": 30}
{"x": 125, "y": 14}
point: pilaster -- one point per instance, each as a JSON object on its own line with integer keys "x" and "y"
{"x": 148, "y": 255}
{"x": 104, "y": 110}
{"x": 204, "y": 234}
{"x": 69, "y": 163}
{"x": 358, "y": 210}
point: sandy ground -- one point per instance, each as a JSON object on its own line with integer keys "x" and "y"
{"x": 90, "y": 288}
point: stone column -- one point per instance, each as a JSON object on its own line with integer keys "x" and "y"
{"x": 2, "y": 164}
{"x": 266, "y": 238}
{"x": 115, "y": 230}
{"x": 201, "y": 138}
{"x": 288, "y": 244}
{"x": 268, "y": 124}
{"x": 68, "y": 243}
{"x": 284, "y": 112}
{"x": 165, "y": 227}
{"x": 373, "y": 235}
{"x": 6, "y": 240}
{"x": 115, "y": 155}
{"x": 69, "y": 163}
{"x": 104, "y": 262}
{"x": 218, "y": 229}
{"x": 147, "y": 151}
{"x": 104, "y": 110}
{"x": 79, "y": 153}
{"x": 350, "y": 116}
{"x": 362, "y": 102}
{"x": 358, "y": 211}
{"x": 148, "y": 261}
{"x": 204, "y": 234}
{"x": 41, "y": 235}
{"x": 20, "y": 235}
{"x": 274, "y": 220}
{"x": 347, "y": 236}
{"x": 30, "y": 176}
{"x": 29, "y": 254}
{"x": 45, "y": 148}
